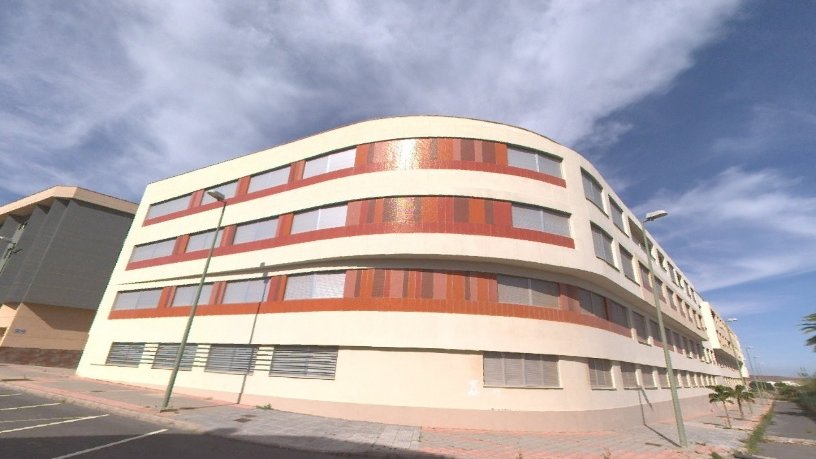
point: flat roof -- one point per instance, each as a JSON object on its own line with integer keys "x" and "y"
{"x": 25, "y": 206}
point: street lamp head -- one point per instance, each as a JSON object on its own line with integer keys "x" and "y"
{"x": 655, "y": 215}
{"x": 217, "y": 195}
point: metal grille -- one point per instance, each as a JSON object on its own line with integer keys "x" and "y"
{"x": 318, "y": 362}
{"x": 505, "y": 369}
{"x": 125, "y": 354}
{"x": 165, "y": 356}
{"x": 231, "y": 358}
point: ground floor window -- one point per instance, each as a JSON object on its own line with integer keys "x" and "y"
{"x": 506, "y": 369}
{"x": 318, "y": 362}
{"x": 231, "y": 358}
{"x": 125, "y": 354}
{"x": 600, "y": 374}
{"x": 166, "y": 356}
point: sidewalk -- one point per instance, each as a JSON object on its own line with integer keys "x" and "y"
{"x": 355, "y": 438}
{"x": 792, "y": 433}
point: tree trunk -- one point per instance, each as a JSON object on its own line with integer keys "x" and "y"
{"x": 727, "y": 417}
{"x": 739, "y": 404}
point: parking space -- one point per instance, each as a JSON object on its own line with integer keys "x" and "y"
{"x": 37, "y": 427}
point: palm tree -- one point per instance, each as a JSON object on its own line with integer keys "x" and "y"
{"x": 722, "y": 394}
{"x": 809, "y": 326}
{"x": 741, "y": 395}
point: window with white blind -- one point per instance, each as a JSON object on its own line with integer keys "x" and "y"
{"x": 315, "y": 285}
{"x": 506, "y": 369}
{"x": 168, "y": 207}
{"x": 539, "y": 219}
{"x": 245, "y": 291}
{"x": 153, "y": 250}
{"x": 618, "y": 314}
{"x": 269, "y": 179}
{"x": 600, "y": 374}
{"x": 231, "y": 358}
{"x": 328, "y": 163}
{"x": 592, "y": 303}
{"x": 603, "y": 245}
{"x": 617, "y": 215}
{"x": 203, "y": 240}
{"x": 137, "y": 299}
{"x": 227, "y": 189}
{"x": 325, "y": 217}
{"x": 639, "y": 324}
{"x": 521, "y": 290}
{"x": 592, "y": 189}
{"x": 319, "y": 362}
{"x": 125, "y": 354}
{"x": 627, "y": 263}
{"x": 166, "y": 356}
{"x": 663, "y": 377}
{"x": 256, "y": 231}
{"x": 629, "y": 374}
{"x": 185, "y": 294}
{"x": 534, "y": 161}
{"x": 647, "y": 376}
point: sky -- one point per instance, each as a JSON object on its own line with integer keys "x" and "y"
{"x": 705, "y": 108}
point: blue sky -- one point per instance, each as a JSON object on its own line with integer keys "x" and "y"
{"x": 704, "y": 108}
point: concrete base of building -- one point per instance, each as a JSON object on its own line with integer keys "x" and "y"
{"x": 62, "y": 358}
{"x": 501, "y": 420}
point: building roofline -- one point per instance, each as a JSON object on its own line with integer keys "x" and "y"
{"x": 25, "y": 205}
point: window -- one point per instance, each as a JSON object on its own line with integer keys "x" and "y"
{"x": 603, "y": 245}
{"x": 534, "y": 161}
{"x": 137, "y": 299}
{"x": 125, "y": 354}
{"x": 538, "y": 219}
{"x": 227, "y": 189}
{"x": 645, "y": 281}
{"x": 654, "y": 331}
{"x": 325, "y": 217}
{"x": 592, "y": 189}
{"x": 647, "y": 376}
{"x": 319, "y": 362}
{"x": 659, "y": 287}
{"x": 169, "y": 206}
{"x": 505, "y": 369}
{"x": 639, "y": 323}
{"x": 185, "y": 294}
{"x": 231, "y": 358}
{"x": 247, "y": 291}
{"x": 534, "y": 292}
{"x": 329, "y": 163}
{"x": 600, "y": 374}
{"x": 166, "y": 356}
{"x": 203, "y": 240}
{"x": 663, "y": 376}
{"x": 315, "y": 285}
{"x": 153, "y": 250}
{"x": 256, "y": 231}
{"x": 269, "y": 179}
{"x": 618, "y": 314}
{"x": 627, "y": 263}
{"x": 629, "y": 373}
{"x": 592, "y": 303}
{"x": 617, "y": 215}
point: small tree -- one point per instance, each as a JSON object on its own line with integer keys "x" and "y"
{"x": 722, "y": 394}
{"x": 741, "y": 395}
{"x": 809, "y": 326}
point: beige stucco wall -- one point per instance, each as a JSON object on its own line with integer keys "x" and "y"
{"x": 48, "y": 327}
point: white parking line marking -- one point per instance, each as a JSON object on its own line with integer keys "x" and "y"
{"x": 52, "y": 424}
{"x": 9, "y": 395}
{"x": 97, "y": 448}
{"x": 29, "y": 406}
{"x": 38, "y": 419}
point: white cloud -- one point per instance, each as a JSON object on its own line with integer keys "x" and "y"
{"x": 738, "y": 227}
{"x": 110, "y": 96}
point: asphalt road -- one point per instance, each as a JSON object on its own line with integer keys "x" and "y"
{"x": 37, "y": 427}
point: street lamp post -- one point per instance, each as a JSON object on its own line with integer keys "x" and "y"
{"x": 678, "y": 414}
{"x": 218, "y": 196}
